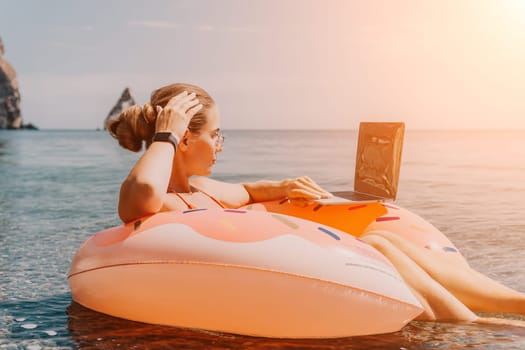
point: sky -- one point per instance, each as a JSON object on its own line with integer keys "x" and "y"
{"x": 275, "y": 64}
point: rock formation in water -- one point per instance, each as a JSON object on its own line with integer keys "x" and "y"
{"x": 125, "y": 101}
{"x": 10, "y": 116}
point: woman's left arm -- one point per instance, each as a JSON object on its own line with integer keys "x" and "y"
{"x": 236, "y": 195}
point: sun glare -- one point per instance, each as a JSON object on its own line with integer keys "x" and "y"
{"x": 514, "y": 9}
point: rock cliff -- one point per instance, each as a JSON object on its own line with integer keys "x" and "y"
{"x": 10, "y": 116}
{"x": 125, "y": 101}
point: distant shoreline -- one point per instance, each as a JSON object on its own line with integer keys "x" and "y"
{"x": 28, "y": 126}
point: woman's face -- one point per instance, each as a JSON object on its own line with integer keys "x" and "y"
{"x": 203, "y": 147}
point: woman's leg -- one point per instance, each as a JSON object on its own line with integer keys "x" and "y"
{"x": 438, "y": 303}
{"x": 475, "y": 290}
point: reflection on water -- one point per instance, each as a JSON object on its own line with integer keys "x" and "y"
{"x": 3, "y": 148}
{"x": 56, "y": 322}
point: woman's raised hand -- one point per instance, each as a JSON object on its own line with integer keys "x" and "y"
{"x": 303, "y": 190}
{"x": 177, "y": 113}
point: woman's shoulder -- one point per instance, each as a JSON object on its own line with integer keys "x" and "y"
{"x": 211, "y": 186}
{"x": 201, "y": 182}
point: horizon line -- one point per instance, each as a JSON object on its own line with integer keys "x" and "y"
{"x": 286, "y": 129}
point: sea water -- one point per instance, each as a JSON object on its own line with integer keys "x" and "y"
{"x": 59, "y": 187}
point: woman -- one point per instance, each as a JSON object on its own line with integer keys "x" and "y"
{"x": 182, "y": 136}
{"x": 185, "y": 129}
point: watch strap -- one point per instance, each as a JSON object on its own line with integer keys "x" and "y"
{"x": 166, "y": 137}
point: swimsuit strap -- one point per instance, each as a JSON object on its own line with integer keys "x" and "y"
{"x": 189, "y": 205}
{"x": 212, "y": 198}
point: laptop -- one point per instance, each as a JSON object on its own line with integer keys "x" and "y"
{"x": 378, "y": 161}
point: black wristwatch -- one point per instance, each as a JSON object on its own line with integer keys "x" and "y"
{"x": 166, "y": 137}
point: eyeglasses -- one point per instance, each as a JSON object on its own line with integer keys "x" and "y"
{"x": 219, "y": 141}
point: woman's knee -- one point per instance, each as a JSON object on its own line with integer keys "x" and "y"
{"x": 377, "y": 240}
